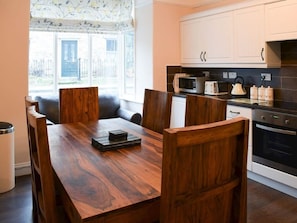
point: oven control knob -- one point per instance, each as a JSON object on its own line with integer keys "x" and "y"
{"x": 287, "y": 121}
{"x": 262, "y": 117}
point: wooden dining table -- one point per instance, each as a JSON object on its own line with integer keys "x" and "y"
{"x": 122, "y": 185}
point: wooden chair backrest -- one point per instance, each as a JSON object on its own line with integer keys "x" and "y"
{"x": 203, "y": 109}
{"x": 79, "y": 104}
{"x": 204, "y": 175}
{"x": 156, "y": 110}
{"x": 29, "y": 102}
{"x": 42, "y": 172}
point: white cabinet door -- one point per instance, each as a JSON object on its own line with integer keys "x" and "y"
{"x": 249, "y": 35}
{"x": 208, "y": 39}
{"x": 280, "y": 21}
{"x": 229, "y": 39}
{"x": 190, "y": 48}
{"x": 237, "y": 111}
{"x": 178, "y": 111}
{"x": 217, "y": 32}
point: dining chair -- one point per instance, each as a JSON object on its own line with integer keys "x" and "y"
{"x": 204, "y": 175}
{"x": 29, "y": 102}
{"x": 204, "y": 109}
{"x": 78, "y": 104}
{"x": 45, "y": 208}
{"x": 156, "y": 110}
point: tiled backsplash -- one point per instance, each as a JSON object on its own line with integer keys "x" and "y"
{"x": 283, "y": 80}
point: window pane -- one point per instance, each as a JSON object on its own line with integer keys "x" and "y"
{"x": 72, "y": 60}
{"x": 59, "y": 60}
{"x": 129, "y": 64}
{"x": 105, "y": 63}
{"x": 41, "y": 62}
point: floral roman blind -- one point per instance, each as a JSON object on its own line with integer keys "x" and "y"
{"x": 91, "y": 16}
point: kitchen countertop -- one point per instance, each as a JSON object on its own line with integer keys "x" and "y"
{"x": 277, "y": 106}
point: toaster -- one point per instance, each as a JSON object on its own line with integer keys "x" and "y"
{"x": 216, "y": 88}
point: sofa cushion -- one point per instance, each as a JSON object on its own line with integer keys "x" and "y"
{"x": 108, "y": 106}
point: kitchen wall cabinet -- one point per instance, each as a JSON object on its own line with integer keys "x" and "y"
{"x": 250, "y": 46}
{"x": 207, "y": 39}
{"x": 237, "y": 111}
{"x": 249, "y": 35}
{"x": 190, "y": 42}
{"x": 178, "y": 111}
{"x": 230, "y": 39}
{"x": 280, "y": 21}
{"x": 217, "y": 38}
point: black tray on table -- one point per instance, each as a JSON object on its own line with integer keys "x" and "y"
{"x": 115, "y": 140}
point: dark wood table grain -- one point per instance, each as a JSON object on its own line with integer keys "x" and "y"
{"x": 113, "y": 186}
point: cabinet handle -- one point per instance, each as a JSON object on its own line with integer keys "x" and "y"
{"x": 201, "y": 56}
{"x": 204, "y": 56}
{"x": 233, "y": 112}
{"x": 262, "y": 56}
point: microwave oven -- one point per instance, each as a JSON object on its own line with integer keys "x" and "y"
{"x": 191, "y": 84}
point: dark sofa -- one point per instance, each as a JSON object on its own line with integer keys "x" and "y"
{"x": 109, "y": 107}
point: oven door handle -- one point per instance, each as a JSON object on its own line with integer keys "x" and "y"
{"x": 282, "y": 131}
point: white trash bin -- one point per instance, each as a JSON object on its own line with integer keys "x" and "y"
{"x": 7, "y": 172}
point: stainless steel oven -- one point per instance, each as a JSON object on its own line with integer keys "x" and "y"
{"x": 275, "y": 140}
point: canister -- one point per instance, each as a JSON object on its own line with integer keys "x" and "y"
{"x": 254, "y": 92}
{"x": 269, "y": 94}
{"x": 261, "y": 93}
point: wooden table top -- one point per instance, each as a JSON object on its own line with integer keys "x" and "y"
{"x": 102, "y": 185}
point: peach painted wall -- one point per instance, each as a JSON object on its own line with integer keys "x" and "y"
{"x": 14, "y": 43}
{"x": 166, "y": 35}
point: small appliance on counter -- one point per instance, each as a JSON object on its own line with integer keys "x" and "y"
{"x": 176, "y": 81}
{"x": 216, "y": 88}
{"x": 189, "y": 84}
{"x": 237, "y": 87}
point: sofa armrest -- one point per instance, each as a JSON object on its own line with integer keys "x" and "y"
{"x": 134, "y": 117}
{"x": 49, "y": 106}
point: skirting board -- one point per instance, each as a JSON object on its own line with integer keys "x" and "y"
{"x": 273, "y": 184}
{"x": 22, "y": 169}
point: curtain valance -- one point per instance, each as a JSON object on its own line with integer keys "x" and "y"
{"x": 81, "y": 15}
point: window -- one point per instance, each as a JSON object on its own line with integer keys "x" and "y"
{"x": 58, "y": 59}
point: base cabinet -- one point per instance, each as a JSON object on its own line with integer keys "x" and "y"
{"x": 271, "y": 177}
{"x": 237, "y": 111}
{"x": 178, "y": 111}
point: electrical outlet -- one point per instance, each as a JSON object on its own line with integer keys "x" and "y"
{"x": 266, "y": 76}
{"x": 232, "y": 75}
{"x": 225, "y": 74}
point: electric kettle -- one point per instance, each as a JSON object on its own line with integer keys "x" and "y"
{"x": 237, "y": 87}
